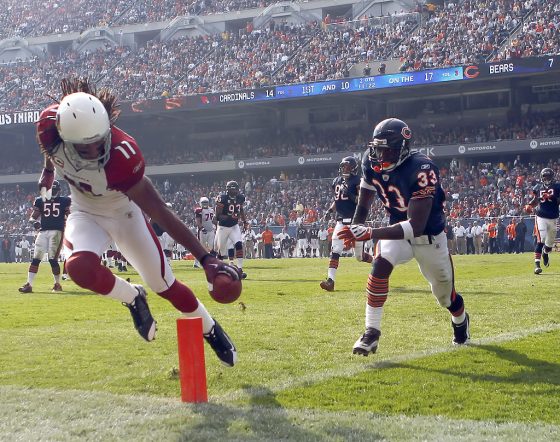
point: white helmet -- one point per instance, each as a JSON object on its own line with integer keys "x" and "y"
{"x": 82, "y": 119}
{"x": 204, "y": 202}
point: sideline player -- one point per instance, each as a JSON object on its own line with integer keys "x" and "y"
{"x": 346, "y": 188}
{"x": 409, "y": 187}
{"x": 53, "y": 212}
{"x": 229, "y": 210}
{"x": 110, "y": 195}
{"x": 546, "y": 195}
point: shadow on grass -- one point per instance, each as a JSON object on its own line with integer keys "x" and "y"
{"x": 264, "y": 418}
{"x": 535, "y": 371}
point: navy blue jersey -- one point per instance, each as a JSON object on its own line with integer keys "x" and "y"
{"x": 313, "y": 233}
{"x": 232, "y": 207}
{"x": 548, "y": 200}
{"x": 53, "y": 212}
{"x": 301, "y": 232}
{"x": 346, "y": 197}
{"x": 416, "y": 177}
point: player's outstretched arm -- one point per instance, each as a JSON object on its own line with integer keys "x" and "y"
{"x": 146, "y": 196}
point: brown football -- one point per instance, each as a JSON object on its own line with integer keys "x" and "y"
{"x": 226, "y": 289}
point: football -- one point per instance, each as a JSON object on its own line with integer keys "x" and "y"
{"x": 225, "y": 289}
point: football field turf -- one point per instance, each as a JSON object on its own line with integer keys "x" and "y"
{"x": 72, "y": 367}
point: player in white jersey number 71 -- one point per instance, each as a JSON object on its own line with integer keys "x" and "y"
{"x": 110, "y": 194}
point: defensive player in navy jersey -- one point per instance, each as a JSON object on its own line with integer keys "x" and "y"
{"x": 346, "y": 187}
{"x": 111, "y": 197}
{"x": 229, "y": 210}
{"x": 408, "y": 185}
{"x": 546, "y": 195}
{"x": 52, "y": 213}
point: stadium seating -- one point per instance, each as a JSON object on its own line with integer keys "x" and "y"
{"x": 463, "y": 32}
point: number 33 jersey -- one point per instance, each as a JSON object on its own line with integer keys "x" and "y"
{"x": 99, "y": 191}
{"x": 416, "y": 177}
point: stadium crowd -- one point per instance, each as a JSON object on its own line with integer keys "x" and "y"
{"x": 474, "y": 191}
{"x": 276, "y": 54}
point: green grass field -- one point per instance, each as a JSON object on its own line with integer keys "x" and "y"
{"x": 74, "y": 368}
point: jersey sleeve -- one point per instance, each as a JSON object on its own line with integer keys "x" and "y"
{"x": 47, "y": 133}
{"x": 424, "y": 180}
{"x": 198, "y": 212}
{"x": 126, "y": 164}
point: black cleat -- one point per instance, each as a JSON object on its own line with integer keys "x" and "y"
{"x": 327, "y": 285}
{"x": 144, "y": 322}
{"x": 243, "y": 275}
{"x": 545, "y": 260}
{"x": 26, "y": 288}
{"x": 222, "y": 345}
{"x": 461, "y": 332}
{"x": 538, "y": 269}
{"x": 367, "y": 343}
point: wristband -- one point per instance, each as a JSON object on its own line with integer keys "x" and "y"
{"x": 408, "y": 231}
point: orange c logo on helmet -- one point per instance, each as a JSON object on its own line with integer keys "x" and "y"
{"x": 472, "y": 71}
{"x": 406, "y": 133}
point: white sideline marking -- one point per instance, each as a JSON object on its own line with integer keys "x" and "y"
{"x": 316, "y": 377}
{"x": 70, "y": 415}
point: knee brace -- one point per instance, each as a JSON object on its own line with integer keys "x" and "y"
{"x": 85, "y": 269}
{"x": 55, "y": 266}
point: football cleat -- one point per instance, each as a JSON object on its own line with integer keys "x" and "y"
{"x": 327, "y": 285}
{"x": 545, "y": 259}
{"x": 144, "y": 322}
{"x": 57, "y": 287}
{"x": 367, "y": 343}
{"x": 26, "y": 288}
{"x": 124, "y": 269}
{"x": 65, "y": 277}
{"x": 222, "y": 345}
{"x": 461, "y": 332}
{"x": 538, "y": 270}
